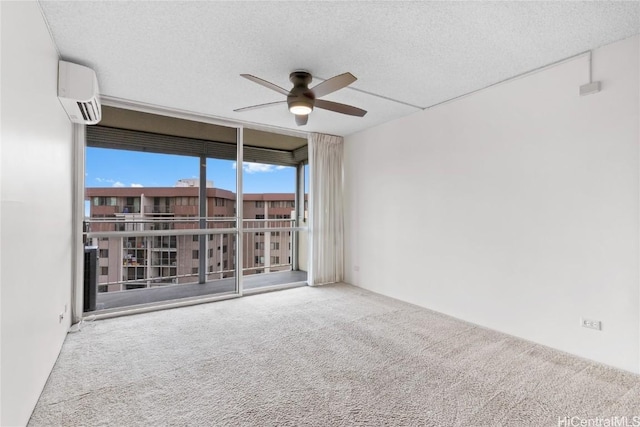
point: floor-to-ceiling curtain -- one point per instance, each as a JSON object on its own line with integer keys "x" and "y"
{"x": 327, "y": 223}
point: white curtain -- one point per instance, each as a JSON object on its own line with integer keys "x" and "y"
{"x": 326, "y": 221}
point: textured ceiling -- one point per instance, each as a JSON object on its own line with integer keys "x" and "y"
{"x": 188, "y": 55}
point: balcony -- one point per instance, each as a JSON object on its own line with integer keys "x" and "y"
{"x": 141, "y": 263}
{"x": 112, "y": 300}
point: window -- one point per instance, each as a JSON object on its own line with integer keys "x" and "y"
{"x": 260, "y": 204}
{"x": 135, "y": 273}
{"x": 275, "y": 260}
{"x": 259, "y": 260}
{"x": 224, "y": 249}
{"x": 210, "y": 252}
{"x": 104, "y": 201}
{"x": 104, "y": 253}
{"x": 219, "y": 201}
{"x": 210, "y": 237}
{"x": 131, "y": 205}
{"x": 166, "y": 242}
{"x": 194, "y": 270}
{"x": 282, "y": 204}
{"x": 186, "y": 201}
{"x": 195, "y": 254}
{"x": 259, "y": 246}
{"x": 195, "y": 237}
{"x": 259, "y": 216}
{"x": 211, "y": 269}
{"x": 275, "y": 233}
{"x": 104, "y": 271}
{"x": 225, "y": 264}
{"x": 275, "y": 245}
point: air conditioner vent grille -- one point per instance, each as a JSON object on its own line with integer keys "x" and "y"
{"x": 90, "y": 111}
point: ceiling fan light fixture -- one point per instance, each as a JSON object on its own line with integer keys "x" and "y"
{"x": 301, "y": 100}
{"x": 300, "y": 108}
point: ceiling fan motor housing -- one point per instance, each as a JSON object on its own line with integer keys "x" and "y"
{"x": 300, "y": 95}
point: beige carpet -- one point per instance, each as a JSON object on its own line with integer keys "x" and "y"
{"x": 328, "y": 356}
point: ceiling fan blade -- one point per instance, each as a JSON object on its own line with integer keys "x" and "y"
{"x": 301, "y": 119}
{"x": 333, "y": 84}
{"x": 255, "y": 107}
{"x": 266, "y": 84}
{"x": 340, "y": 108}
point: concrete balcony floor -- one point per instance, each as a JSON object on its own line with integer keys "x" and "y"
{"x": 111, "y": 300}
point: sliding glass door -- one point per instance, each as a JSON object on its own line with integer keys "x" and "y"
{"x": 170, "y": 216}
{"x": 270, "y": 226}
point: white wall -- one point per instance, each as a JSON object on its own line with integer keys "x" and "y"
{"x": 35, "y": 209}
{"x": 515, "y": 208}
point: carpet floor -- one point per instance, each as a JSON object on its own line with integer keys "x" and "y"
{"x": 323, "y": 356}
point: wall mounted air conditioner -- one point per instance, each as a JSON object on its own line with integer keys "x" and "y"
{"x": 78, "y": 93}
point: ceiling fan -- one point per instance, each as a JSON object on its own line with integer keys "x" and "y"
{"x": 301, "y": 100}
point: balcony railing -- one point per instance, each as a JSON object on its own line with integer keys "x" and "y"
{"x": 159, "y": 209}
{"x": 268, "y": 245}
{"x": 149, "y": 252}
{"x": 128, "y": 209}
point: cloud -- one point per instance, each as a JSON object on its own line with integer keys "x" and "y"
{"x": 115, "y": 183}
{"x": 251, "y": 168}
{"x": 111, "y": 181}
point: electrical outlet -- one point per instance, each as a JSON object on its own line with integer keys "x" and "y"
{"x": 591, "y": 324}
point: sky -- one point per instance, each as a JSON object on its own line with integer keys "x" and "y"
{"x": 120, "y": 168}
